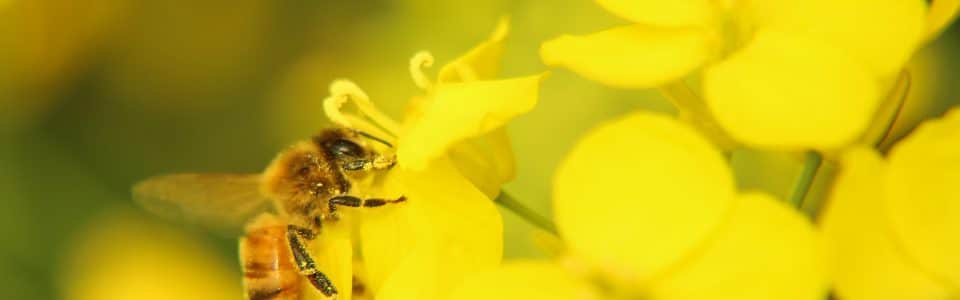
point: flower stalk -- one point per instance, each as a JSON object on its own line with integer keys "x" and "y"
{"x": 507, "y": 201}
{"x": 811, "y": 164}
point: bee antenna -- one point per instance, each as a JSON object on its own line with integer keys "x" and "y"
{"x": 372, "y": 137}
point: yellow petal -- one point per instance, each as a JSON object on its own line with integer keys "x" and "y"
{"x": 882, "y": 34}
{"x": 638, "y": 193}
{"x": 417, "y": 276}
{"x": 333, "y": 253}
{"x": 361, "y": 288}
{"x": 487, "y": 160}
{"x": 940, "y": 15}
{"x": 866, "y": 262}
{"x": 664, "y": 13}
{"x": 528, "y": 280}
{"x": 424, "y": 247}
{"x": 922, "y": 195}
{"x": 385, "y": 240}
{"x": 463, "y": 110}
{"x": 480, "y": 63}
{"x": 787, "y": 91}
{"x": 766, "y": 250}
{"x": 121, "y": 256}
{"x": 634, "y": 56}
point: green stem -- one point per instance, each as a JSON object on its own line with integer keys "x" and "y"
{"x": 899, "y": 98}
{"x": 879, "y": 133}
{"x": 811, "y": 164}
{"x": 511, "y": 204}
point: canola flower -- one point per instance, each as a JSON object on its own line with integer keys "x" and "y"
{"x": 452, "y": 157}
{"x": 646, "y": 206}
{"x": 648, "y": 209}
{"x": 893, "y": 223}
{"x": 786, "y": 74}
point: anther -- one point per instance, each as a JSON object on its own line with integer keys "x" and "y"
{"x": 343, "y": 91}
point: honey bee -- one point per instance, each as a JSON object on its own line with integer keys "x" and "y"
{"x": 283, "y": 208}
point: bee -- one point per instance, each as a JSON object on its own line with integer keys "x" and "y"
{"x": 283, "y": 208}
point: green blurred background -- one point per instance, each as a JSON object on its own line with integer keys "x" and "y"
{"x": 98, "y": 94}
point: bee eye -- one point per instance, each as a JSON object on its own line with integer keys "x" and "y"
{"x": 342, "y": 147}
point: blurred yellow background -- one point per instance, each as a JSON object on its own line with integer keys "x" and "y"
{"x": 96, "y": 95}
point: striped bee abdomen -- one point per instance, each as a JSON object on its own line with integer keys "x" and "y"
{"x": 268, "y": 268}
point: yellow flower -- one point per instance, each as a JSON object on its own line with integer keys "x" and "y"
{"x": 463, "y": 114}
{"x": 649, "y": 210}
{"x": 781, "y": 74}
{"x": 452, "y": 157}
{"x": 893, "y": 224}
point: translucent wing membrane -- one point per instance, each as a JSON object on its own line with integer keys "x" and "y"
{"x": 221, "y": 202}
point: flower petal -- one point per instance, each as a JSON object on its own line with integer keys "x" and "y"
{"x": 524, "y": 280}
{"x": 940, "y": 15}
{"x": 882, "y": 34}
{"x": 637, "y": 194}
{"x": 922, "y": 195}
{"x": 385, "y": 239}
{"x": 634, "y": 56}
{"x": 765, "y": 251}
{"x": 424, "y": 247}
{"x": 480, "y": 63}
{"x": 787, "y": 91}
{"x": 461, "y": 111}
{"x": 333, "y": 253}
{"x": 664, "y": 13}
{"x": 867, "y": 264}
{"x": 487, "y": 161}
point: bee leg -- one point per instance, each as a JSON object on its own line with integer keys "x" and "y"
{"x": 381, "y": 162}
{"x": 342, "y": 200}
{"x": 377, "y": 163}
{"x": 305, "y": 262}
{"x": 376, "y": 202}
{"x": 351, "y": 201}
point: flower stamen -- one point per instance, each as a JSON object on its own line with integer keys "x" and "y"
{"x": 372, "y": 121}
{"x": 420, "y": 61}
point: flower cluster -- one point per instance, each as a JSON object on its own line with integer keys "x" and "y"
{"x": 893, "y": 223}
{"x": 646, "y": 205}
{"x": 787, "y": 74}
{"x": 649, "y": 210}
{"x": 452, "y": 157}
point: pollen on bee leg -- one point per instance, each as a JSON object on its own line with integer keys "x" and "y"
{"x": 343, "y": 91}
{"x": 421, "y": 60}
{"x": 384, "y": 162}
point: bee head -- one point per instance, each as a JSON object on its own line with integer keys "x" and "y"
{"x": 351, "y": 148}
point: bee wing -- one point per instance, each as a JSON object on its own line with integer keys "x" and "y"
{"x": 222, "y": 202}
